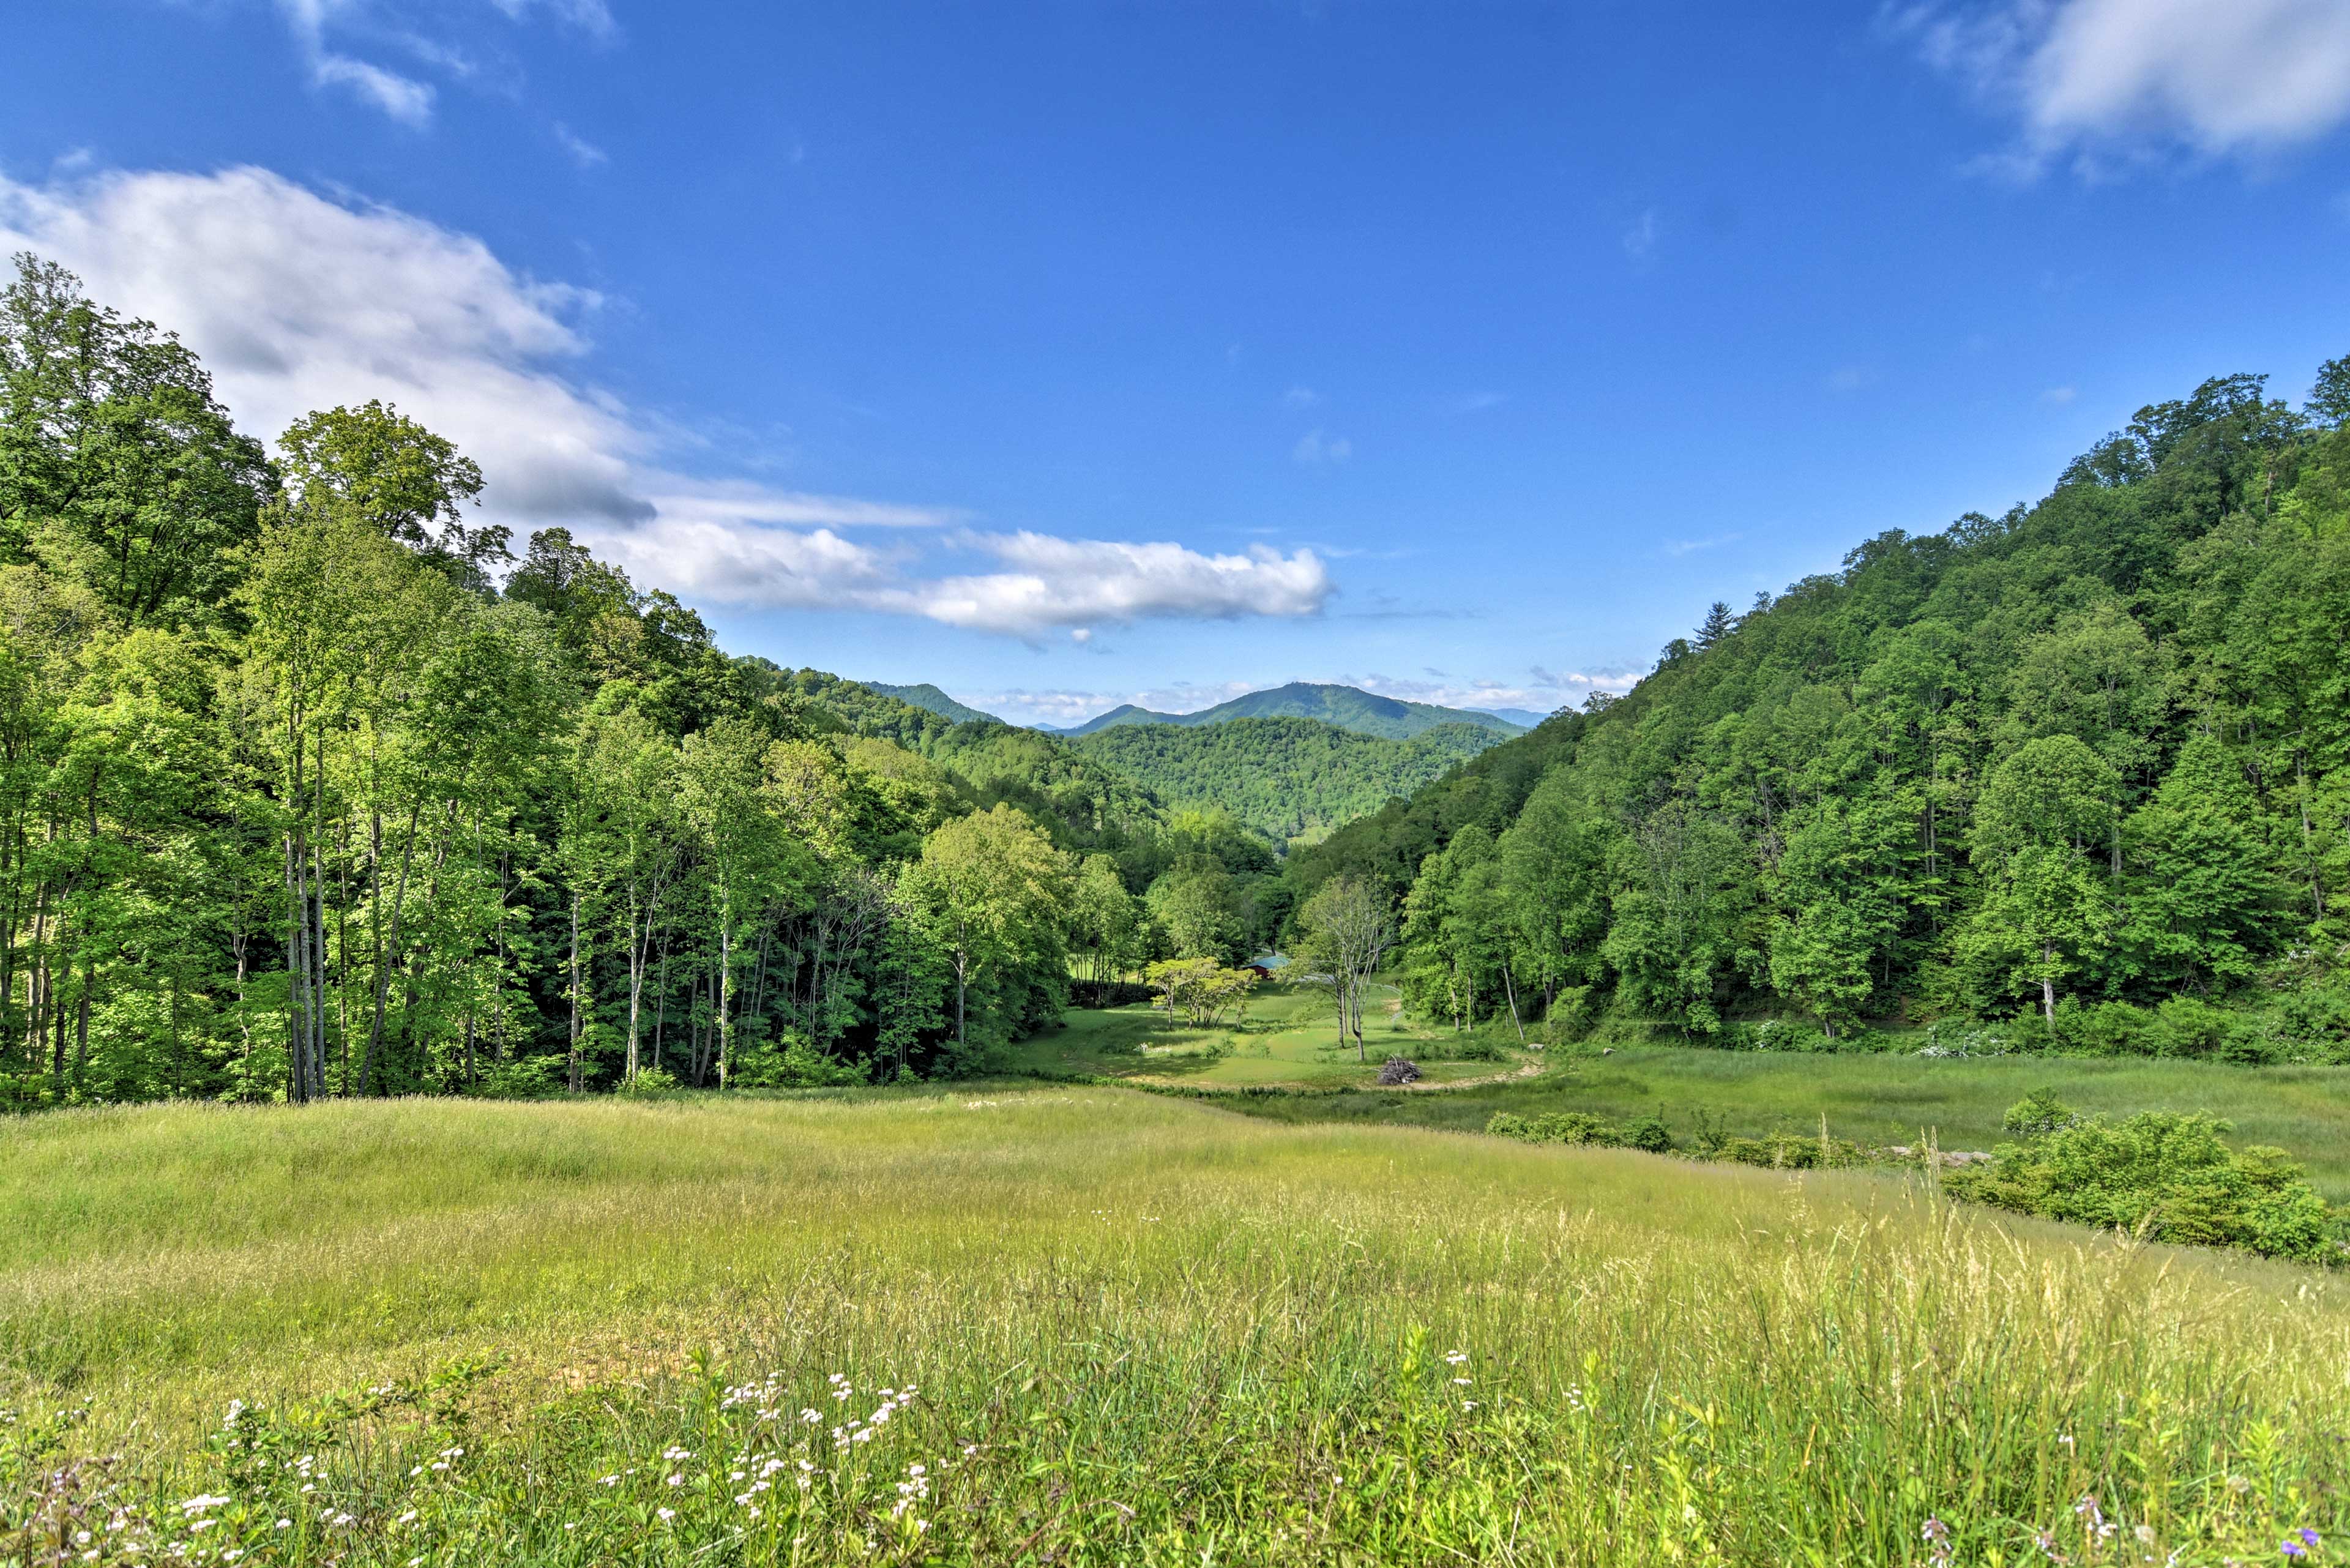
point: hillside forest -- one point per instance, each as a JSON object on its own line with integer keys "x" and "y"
{"x": 2079, "y": 774}
{"x": 311, "y": 784}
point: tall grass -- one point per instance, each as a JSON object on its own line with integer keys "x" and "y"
{"x": 1134, "y": 1330}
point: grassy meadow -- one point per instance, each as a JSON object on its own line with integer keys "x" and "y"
{"x": 1888, "y": 1098}
{"x": 1005, "y": 1324}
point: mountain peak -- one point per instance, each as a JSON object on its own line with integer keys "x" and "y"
{"x": 1345, "y": 707}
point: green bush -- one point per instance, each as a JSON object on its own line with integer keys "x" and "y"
{"x": 2037, "y": 1115}
{"x": 1649, "y": 1133}
{"x": 2165, "y": 1174}
{"x": 1555, "y": 1127}
{"x": 2106, "y": 1028}
{"x": 2314, "y": 1025}
{"x": 651, "y": 1083}
{"x": 522, "y": 1078}
{"x": 2188, "y": 1026}
{"x": 1790, "y": 1151}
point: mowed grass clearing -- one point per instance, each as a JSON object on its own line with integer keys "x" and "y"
{"x": 1112, "y": 1328}
{"x": 1880, "y": 1099}
{"x": 1289, "y": 1039}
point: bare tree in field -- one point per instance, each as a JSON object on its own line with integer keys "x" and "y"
{"x": 1348, "y": 932}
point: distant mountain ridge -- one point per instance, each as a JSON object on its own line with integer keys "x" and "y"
{"x": 1344, "y": 707}
{"x": 930, "y": 699}
{"x": 1293, "y": 780}
{"x": 1524, "y": 718}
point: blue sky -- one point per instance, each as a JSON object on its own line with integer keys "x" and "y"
{"x": 1073, "y": 354}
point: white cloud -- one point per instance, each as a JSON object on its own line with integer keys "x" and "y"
{"x": 296, "y": 303}
{"x": 1641, "y": 239}
{"x": 1850, "y": 378}
{"x": 1478, "y": 402}
{"x": 749, "y": 566}
{"x": 1054, "y": 582}
{"x": 584, "y": 152}
{"x": 1540, "y": 691}
{"x": 2059, "y": 396}
{"x": 1300, "y": 398}
{"x": 2098, "y": 76}
{"x": 404, "y": 98}
{"x": 738, "y": 501}
{"x": 1314, "y": 447}
{"x": 1677, "y": 547}
{"x": 323, "y": 31}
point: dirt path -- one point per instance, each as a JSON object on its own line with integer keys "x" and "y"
{"x": 1423, "y": 1086}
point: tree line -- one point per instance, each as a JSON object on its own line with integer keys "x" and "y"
{"x": 312, "y": 784}
{"x": 2085, "y": 766}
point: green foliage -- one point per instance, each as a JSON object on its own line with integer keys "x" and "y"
{"x": 1201, "y": 991}
{"x": 2037, "y": 1115}
{"x": 1285, "y": 778}
{"x": 2164, "y": 1174}
{"x": 2096, "y": 752}
{"x": 1556, "y": 1126}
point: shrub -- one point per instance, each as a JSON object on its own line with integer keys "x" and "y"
{"x": 2037, "y": 1115}
{"x": 651, "y": 1083}
{"x": 1649, "y": 1133}
{"x": 1555, "y": 1127}
{"x": 522, "y": 1078}
{"x": 2165, "y": 1173}
{"x": 798, "y": 1065}
{"x": 2108, "y": 1029}
{"x": 2313, "y": 1025}
{"x": 1790, "y": 1151}
{"x": 2188, "y": 1026}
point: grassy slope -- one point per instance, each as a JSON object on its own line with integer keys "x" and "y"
{"x": 1288, "y": 1039}
{"x": 1165, "y": 1334}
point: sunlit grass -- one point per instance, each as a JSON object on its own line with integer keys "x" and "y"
{"x": 1163, "y": 1331}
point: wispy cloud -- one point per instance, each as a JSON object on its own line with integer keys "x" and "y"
{"x": 1300, "y": 398}
{"x": 1315, "y": 446}
{"x": 1677, "y": 547}
{"x": 1538, "y": 691}
{"x": 2097, "y": 79}
{"x": 297, "y": 302}
{"x": 1850, "y": 378}
{"x": 584, "y": 152}
{"x": 327, "y": 33}
{"x": 1478, "y": 402}
{"x": 1641, "y": 238}
{"x": 2059, "y": 396}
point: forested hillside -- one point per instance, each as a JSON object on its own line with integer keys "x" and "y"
{"x": 1286, "y": 778}
{"x": 1348, "y": 707}
{"x": 929, "y": 696}
{"x": 2088, "y": 763}
{"x": 311, "y": 784}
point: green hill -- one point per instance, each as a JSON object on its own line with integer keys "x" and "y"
{"x": 930, "y": 699}
{"x": 2085, "y": 766}
{"x": 1286, "y": 778}
{"x": 1347, "y": 707}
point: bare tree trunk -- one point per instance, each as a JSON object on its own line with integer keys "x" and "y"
{"x": 387, "y": 950}
{"x": 576, "y": 1079}
{"x": 1509, "y": 989}
{"x": 725, "y": 999}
